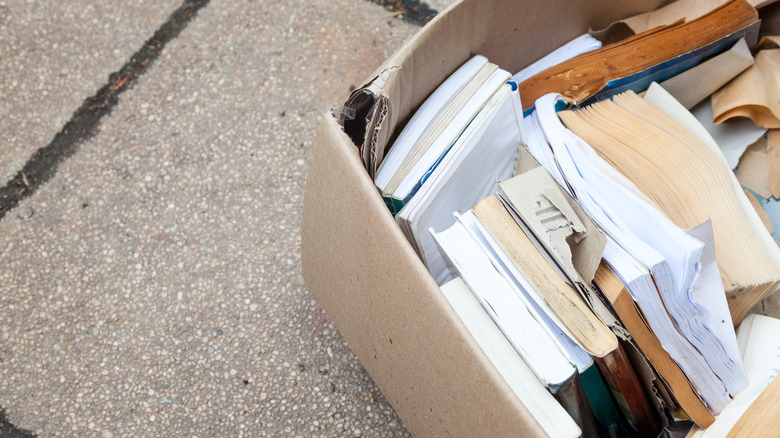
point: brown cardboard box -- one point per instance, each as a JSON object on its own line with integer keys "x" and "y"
{"x": 365, "y": 274}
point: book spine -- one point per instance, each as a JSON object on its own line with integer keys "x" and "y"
{"x": 571, "y": 395}
{"x": 629, "y": 395}
{"x": 604, "y": 408}
{"x": 393, "y": 204}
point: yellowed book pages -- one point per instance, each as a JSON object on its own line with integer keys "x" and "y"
{"x": 754, "y": 94}
{"x": 760, "y": 420}
{"x": 687, "y": 181}
{"x": 591, "y": 333}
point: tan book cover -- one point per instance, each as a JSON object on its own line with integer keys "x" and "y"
{"x": 563, "y": 299}
{"x": 623, "y": 304}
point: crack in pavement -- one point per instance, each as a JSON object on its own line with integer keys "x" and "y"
{"x": 43, "y": 164}
{"x": 8, "y": 430}
{"x": 411, "y": 11}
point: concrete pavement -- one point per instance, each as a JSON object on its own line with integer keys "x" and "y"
{"x": 55, "y": 54}
{"x": 152, "y": 287}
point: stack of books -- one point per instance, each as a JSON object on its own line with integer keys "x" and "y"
{"x": 596, "y": 242}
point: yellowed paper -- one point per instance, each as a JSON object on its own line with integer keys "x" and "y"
{"x": 696, "y": 84}
{"x": 754, "y": 94}
{"x": 753, "y": 169}
{"x": 760, "y": 210}
{"x": 687, "y": 9}
{"x": 773, "y": 158}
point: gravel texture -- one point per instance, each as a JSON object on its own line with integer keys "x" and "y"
{"x": 53, "y": 54}
{"x": 153, "y": 287}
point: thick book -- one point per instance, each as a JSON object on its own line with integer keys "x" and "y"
{"x": 561, "y": 296}
{"x": 506, "y": 307}
{"x": 653, "y": 55}
{"x": 484, "y": 153}
{"x": 651, "y": 255}
{"x": 624, "y": 305}
{"x": 687, "y": 181}
{"x": 410, "y": 163}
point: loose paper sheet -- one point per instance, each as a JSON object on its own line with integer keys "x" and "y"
{"x": 754, "y": 94}
{"x": 732, "y": 136}
{"x": 541, "y": 202}
{"x": 696, "y": 84}
{"x": 753, "y": 169}
{"x": 687, "y": 9}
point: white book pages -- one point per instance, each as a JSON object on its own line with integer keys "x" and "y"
{"x": 450, "y": 133}
{"x": 505, "y": 307}
{"x": 483, "y": 154}
{"x": 708, "y": 292}
{"x": 634, "y": 225}
{"x": 536, "y": 305}
{"x": 540, "y": 149}
{"x": 423, "y": 117}
{"x": 759, "y": 345}
{"x": 577, "y": 46}
{"x": 550, "y": 415}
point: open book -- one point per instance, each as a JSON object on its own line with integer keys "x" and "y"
{"x": 656, "y": 260}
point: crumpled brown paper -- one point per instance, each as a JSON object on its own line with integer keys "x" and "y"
{"x": 754, "y": 94}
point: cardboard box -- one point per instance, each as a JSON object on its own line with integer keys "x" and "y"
{"x": 361, "y": 268}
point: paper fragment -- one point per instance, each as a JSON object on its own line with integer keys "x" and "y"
{"x": 732, "y": 136}
{"x": 698, "y": 83}
{"x": 677, "y": 10}
{"x": 754, "y": 94}
{"x": 773, "y": 157}
{"x": 578, "y": 245}
{"x": 753, "y": 169}
{"x": 760, "y": 210}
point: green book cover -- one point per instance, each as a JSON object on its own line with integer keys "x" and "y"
{"x": 604, "y": 408}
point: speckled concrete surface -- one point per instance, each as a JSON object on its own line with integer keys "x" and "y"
{"x": 152, "y": 287}
{"x": 53, "y": 54}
